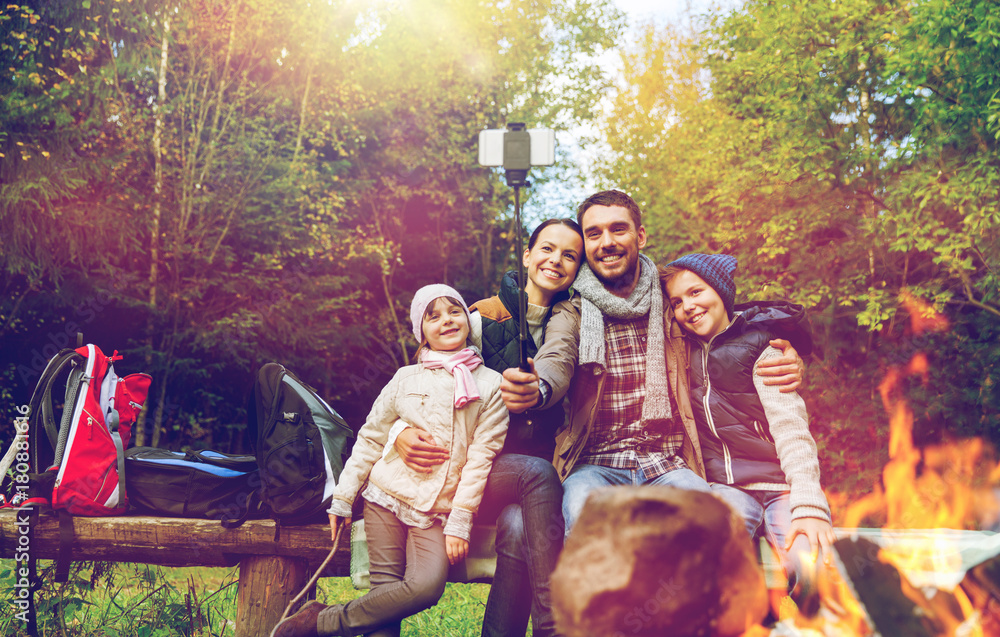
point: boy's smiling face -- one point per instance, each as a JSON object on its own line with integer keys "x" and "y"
{"x": 697, "y": 306}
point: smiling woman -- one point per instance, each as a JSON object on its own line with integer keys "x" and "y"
{"x": 553, "y": 256}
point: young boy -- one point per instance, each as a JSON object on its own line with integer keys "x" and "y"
{"x": 759, "y": 455}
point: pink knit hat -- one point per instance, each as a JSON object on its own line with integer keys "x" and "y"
{"x": 422, "y": 300}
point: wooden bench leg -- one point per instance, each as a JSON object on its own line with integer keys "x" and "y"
{"x": 267, "y": 585}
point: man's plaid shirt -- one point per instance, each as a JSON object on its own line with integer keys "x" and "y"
{"x": 619, "y": 438}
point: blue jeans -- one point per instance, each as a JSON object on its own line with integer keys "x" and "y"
{"x": 525, "y": 490}
{"x": 768, "y": 513}
{"x": 584, "y": 478}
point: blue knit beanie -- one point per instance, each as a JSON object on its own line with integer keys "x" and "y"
{"x": 717, "y": 270}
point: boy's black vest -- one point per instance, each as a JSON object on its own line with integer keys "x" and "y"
{"x": 737, "y": 445}
{"x": 533, "y": 432}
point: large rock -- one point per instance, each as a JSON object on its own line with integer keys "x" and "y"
{"x": 656, "y": 561}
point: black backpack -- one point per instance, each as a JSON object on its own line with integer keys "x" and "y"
{"x": 299, "y": 441}
{"x": 195, "y": 484}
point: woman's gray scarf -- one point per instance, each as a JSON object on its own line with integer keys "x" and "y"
{"x": 645, "y": 299}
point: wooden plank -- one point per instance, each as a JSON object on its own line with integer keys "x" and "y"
{"x": 881, "y": 589}
{"x": 176, "y": 541}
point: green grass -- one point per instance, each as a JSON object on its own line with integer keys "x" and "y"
{"x": 135, "y": 600}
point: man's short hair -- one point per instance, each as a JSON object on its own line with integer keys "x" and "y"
{"x": 611, "y": 198}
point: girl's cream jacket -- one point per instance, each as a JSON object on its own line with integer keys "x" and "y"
{"x": 425, "y": 398}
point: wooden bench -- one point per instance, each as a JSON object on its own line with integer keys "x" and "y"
{"x": 272, "y": 570}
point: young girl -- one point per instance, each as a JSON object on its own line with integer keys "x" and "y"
{"x": 416, "y": 523}
{"x": 759, "y": 455}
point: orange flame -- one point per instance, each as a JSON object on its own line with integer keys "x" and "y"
{"x": 939, "y": 495}
{"x": 928, "y": 489}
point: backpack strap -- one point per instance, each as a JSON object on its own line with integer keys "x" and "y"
{"x": 65, "y": 556}
{"x": 34, "y": 583}
{"x": 253, "y": 499}
{"x": 41, "y": 399}
{"x": 8, "y": 459}
{"x": 65, "y": 425}
{"x": 116, "y": 438}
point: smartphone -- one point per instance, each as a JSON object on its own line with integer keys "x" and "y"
{"x": 543, "y": 146}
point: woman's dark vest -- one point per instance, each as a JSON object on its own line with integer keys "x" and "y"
{"x": 736, "y": 441}
{"x": 533, "y": 432}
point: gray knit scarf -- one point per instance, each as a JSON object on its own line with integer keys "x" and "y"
{"x": 645, "y": 299}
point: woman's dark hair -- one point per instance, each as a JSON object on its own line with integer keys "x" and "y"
{"x": 569, "y": 223}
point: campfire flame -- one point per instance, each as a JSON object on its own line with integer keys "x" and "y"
{"x": 928, "y": 489}
{"x": 841, "y": 613}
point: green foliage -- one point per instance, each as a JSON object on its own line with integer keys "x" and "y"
{"x": 130, "y": 600}
{"x": 847, "y": 154}
{"x": 964, "y": 370}
{"x": 229, "y": 183}
{"x": 49, "y": 127}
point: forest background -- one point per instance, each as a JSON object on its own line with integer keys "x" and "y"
{"x": 207, "y": 186}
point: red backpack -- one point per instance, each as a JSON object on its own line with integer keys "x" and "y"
{"x": 77, "y": 464}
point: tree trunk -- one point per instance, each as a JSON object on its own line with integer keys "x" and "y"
{"x": 161, "y": 400}
{"x": 387, "y": 268}
{"x": 487, "y": 260}
{"x": 679, "y": 560}
{"x": 400, "y": 338}
{"x": 302, "y": 115}
{"x": 161, "y": 98}
{"x": 154, "y": 239}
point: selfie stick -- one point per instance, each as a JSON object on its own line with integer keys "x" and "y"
{"x": 512, "y": 149}
{"x": 516, "y": 163}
